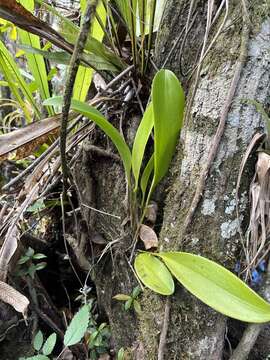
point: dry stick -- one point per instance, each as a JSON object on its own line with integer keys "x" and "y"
{"x": 73, "y": 69}
{"x": 220, "y": 130}
{"x": 163, "y": 334}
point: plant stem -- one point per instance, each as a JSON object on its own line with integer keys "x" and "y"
{"x": 73, "y": 69}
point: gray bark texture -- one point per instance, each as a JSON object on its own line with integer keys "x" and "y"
{"x": 194, "y": 331}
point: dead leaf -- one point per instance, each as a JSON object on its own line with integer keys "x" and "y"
{"x": 10, "y": 243}
{"x": 148, "y": 236}
{"x": 11, "y": 296}
{"x": 28, "y": 135}
{"x": 8, "y": 249}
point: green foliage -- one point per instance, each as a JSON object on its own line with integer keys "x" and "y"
{"x": 84, "y": 76}
{"x": 95, "y": 53}
{"x": 98, "y": 342}
{"x": 168, "y": 108}
{"x": 77, "y": 327}
{"x": 36, "y": 357}
{"x": 130, "y": 301}
{"x": 16, "y": 82}
{"x": 141, "y": 17}
{"x": 209, "y": 281}
{"x": 121, "y": 354}
{"x": 40, "y": 346}
{"x": 103, "y": 123}
{"x": 38, "y": 341}
{"x": 35, "y": 62}
{"x": 154, "y": 274}
{"x": 49, "y": 344}
{"x": 140, "y": 141}
{"x": 83, "y": 323}
{"x": 164, "y": 114}
{"x": 27, "y": 264}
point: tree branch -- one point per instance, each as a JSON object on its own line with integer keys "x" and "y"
{"x": 73, "y": 69}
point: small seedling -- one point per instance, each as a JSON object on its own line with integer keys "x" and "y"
{"x": 131, "y": 301}
{"x": 98, "y": 342}
{"x": 43, "y": 348}
{"x": 28, "y": 265}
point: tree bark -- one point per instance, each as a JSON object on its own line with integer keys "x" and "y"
{"x": 194, "y": 330}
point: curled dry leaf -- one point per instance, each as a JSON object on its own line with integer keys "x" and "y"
{"x": 14, "y": 298}
{"x": 259, "y": 225}
{"x": 148, "y": 236}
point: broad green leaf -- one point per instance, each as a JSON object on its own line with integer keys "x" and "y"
{"x": 103, "y": 123}
{"x": 217, "y": 287}
{"x": 140, "y": 141}
{"x": 77, "y": 327}
{"x": 49, "y": 344}
{"x": 154, "y": 274}
{"x": 38, "y": 341}
{"x": 168, "y": 107}
{"x": 35, "y": 62}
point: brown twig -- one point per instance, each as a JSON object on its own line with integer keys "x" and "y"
{"x": 164, "y": 331}
{"x": 73, "y": 69}
{"x": 220, "y": 130}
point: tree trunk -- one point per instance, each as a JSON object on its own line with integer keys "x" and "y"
{"x": 194, "y": 330}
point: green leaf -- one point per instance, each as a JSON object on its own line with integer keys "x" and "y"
{"x": 121, "y": 297}
{"x": 136, "y": 292}
{"x": 70, "y": 32}
{"x": 168, "y": 106}
{"x": 217, "y": 287}
{"x": 77, "y": 327}
{"x": 121, "y": 354}
{"x": 140, "y": 141}
{"x": 84, "y": 76}
{"x": 13, "y": 70}
{"x": 154, "y": 274}
{"x": 128, "y": 304}
{"x": 39, "y": 256}
{"x": 49, "y": 344}
{"x": 137, "y": 307}
{"x": 38, "y": 341}
{"x": 103, "y": 123}
{"x": 38, "y": 357}
{"x": 35, "y": 62}
{"x": 40, "y": 266}
{"x": 30, "y": 252}
{"x": 23, "y": 260}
